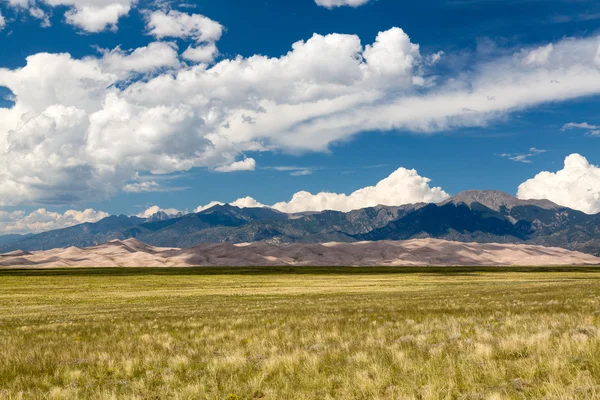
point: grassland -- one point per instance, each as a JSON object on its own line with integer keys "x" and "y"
{"x": 452, "y": 333}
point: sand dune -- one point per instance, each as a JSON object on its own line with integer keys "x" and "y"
{"x": 418, "y": 252}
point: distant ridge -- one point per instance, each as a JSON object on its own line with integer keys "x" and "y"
{"x": 16, "y": 253}
{"x": 496, "y": 199}
{"x": 483, "y": 216}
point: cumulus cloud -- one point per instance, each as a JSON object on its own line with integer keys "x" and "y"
{"x": 247, "y": 202}
{"x": 43, "y": 220}
{"x": 83, "y": 128}
{"x": 205, "y": 53}
{"x": 71, "y": 135}
{"x": 576, "y": 186}
{"x": 506, "y": 80}
{"x": 209, "y": 205}
{"x": 249, "y": 164}
{"x": 150, "y": 211}
{"x": 340, "y": 3}
{"x": 151, "y": 58}
{"x": 175, "y": 24}
{"x": 2, "y": 21}
{"x": 244, "y": 202}
{"x": 88, "y": 15}
{"x": 403, "y": 186}
{"x": 181, "y": 25}
{"x": 96, "y": 18}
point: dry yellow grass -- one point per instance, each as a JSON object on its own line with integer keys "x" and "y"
{"x": 314, "y": 334}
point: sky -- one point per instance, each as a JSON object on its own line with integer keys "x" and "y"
{"x": 130, "y": 107}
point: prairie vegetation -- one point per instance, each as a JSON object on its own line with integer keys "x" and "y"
{"x": 345, "y": 333}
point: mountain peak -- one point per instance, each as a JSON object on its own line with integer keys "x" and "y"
{"x": 163, "y": 216}
{"x": 496, "y": 199}
{"x": 218, "y": 208}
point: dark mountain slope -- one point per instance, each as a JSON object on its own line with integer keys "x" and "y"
{"x": 581, "y": 234}
{"x": 496, "y": 200}
{"x": 83, "y": 235}
{"x": 236, "y": 225}
{"x": 472, "y": 216}
{"x": 493, "y": 216}
{"x": 6, "y": 240}
{"x": 454, "y": 222}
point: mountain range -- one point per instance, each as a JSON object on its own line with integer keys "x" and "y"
{"x": 471, "y": 216}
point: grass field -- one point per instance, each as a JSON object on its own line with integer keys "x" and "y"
{"x": 452, "y": 333}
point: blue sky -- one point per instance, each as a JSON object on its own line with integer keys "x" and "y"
{"x": 495, "y": 148}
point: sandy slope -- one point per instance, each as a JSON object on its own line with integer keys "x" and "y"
{"x": 423, "y": 252}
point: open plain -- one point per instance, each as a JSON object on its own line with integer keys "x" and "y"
{"x": 300, "y": 333}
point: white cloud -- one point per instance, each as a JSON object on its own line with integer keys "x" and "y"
{"x": 339, "y": 3}
{"x": 523, "y": 157}
{"x": 95, "y": 15}
{"x": 302, "y": 172}
{"x": 181, "y": 25}
{"x": 21, "y": 3}
{"x": 403, "y": 186}
{"x": 576, "y": 186}
{"x": 209, "y": 205}
{"x": 434, "y": 58}
{"x": 2, "y": 21}
{"x": 148, "y": 186}
{"x": 539, "y": 56}
{"x": 249, "y": 164}
{"x": 148, "y": 59}
{"x": 592, "y": 130}
{"x": 392, "y": 54}
{"x": 150, "y": 211}
{"x": 42, "y": 15}
{"x": 464, "y": 102}
{"x": 204, "y": 54}
{"x": 247, "y": 202}
{"x": 70, "y": 135}
{"x": 579, "y": 125}
{"x": 83, "y": 128}
{"x": 43, "y": 220}
{"x": 142, "y": 187}
{"x": 88, "y": 15}
{"x": 244, "y": 202}
{"x": 175, "y": 24}
{"x": 96, "y": 18}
